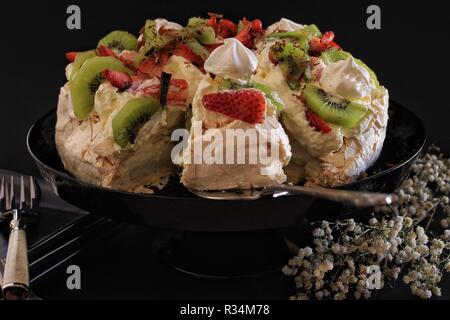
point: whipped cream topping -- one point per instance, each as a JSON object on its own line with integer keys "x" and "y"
{"x": 284, "y": 25}
{"x": 347, "y": 79}
{"x": 232, "y": 60}
{"x": 163, "y": 23}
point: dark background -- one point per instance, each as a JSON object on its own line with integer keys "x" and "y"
{"x": 409, "y": 54}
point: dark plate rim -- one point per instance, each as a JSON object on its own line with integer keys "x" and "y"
{"x": 194, "y": 198}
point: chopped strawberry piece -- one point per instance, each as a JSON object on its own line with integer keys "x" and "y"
{"x": 118, "y": 79}
{"x": 104, "y": 51}
{"x": 177, "y": 95}
{"x": 257, "y": 26}
{"x": 245, "y": 36}
{"x": 317, "y": 46}
{"x": 246, "y": 105}
{"x": 212, "y": 22}
{"x": 71, "y": 56}
{"x": 129, "y": 58}
{"x": 154, "y": 66}
{"x": 334, "y": 45}
{"x": 272, "y": 57}
{"x": 327, "y": 37}
{"x": 227, "y": 28}
{"x": 317, "y": 122}
{"x": 184, "y": 51}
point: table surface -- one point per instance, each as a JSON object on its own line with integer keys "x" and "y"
{"x": 122, "y": 263}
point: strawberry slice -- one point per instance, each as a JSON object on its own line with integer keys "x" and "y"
{"x": 227, "y": 28}
{"x": 118, "y": 79}
{"x": 327, "y": 37}
{"x": 257, "y": 26}
{"x": 154, "y": 66}
{"x": 317, "y": 122}
{"x": 71, "y": 56}
{"x": 245, "y": 36}
{"x": 246, "y": 105}
{"x": 317, "y": 46}
{"x": 177, "y": 95}
{"x": 184, "y": 51}
{"x": 104, "y": 51}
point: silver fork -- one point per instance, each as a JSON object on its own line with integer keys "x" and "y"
{"x": 15, "y": 284}
{"x": 355, "y": 198}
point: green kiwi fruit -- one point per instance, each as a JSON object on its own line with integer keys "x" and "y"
{"x": 198, "y": 49}
{"x": 196, "y": 21}
{"x": 80, "y": 59}
{"x": 300, "y": 37}
{"x": 292, "y": 60}
{"x": 153, "y": 42}
{"x": 312, "y": 31}
{"x": 86, "y": 81}
{"x": 202, "y": 32}
{"x": 133, "y": 115}
{"x": 120, "y": 40}
{"x": 332, "y": 108}
{"x": 334, "y": 55}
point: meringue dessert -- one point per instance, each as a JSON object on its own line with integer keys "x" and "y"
{"x": 228, "y": 102}
{"x": 336, "y": 111}
{"x": 259, "y": 107}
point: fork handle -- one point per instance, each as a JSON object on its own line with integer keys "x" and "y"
{"x": 355, "y": 198}
{"x": 16, "y": 278}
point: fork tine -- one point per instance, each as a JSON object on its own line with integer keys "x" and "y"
{"x": 33, "y": 194}
{"x": 2, "y": 196}
{"x": 11, "y": 194}
{"x": 22, "y": 194}
{"x": 7, "y": 199}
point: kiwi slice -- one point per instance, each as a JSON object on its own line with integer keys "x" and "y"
{"x": 80, "y": 60}
{"x": 133, "y": 115}
{"x": 86, "y": 81}
{"x": 293, "y": 61}
{"x": 198, "y": 49}
{"x": 120, "y": 40}
{"x": 332, "y": 108}
{"x": 334, "y": 55}
{"x": 196, "y": 21}
{"x": 202, "y": 32}
{"x": 312, "y": 31}
{"x": 300, "y": 37}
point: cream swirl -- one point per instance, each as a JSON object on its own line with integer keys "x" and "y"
{"x": 347, "y": 79}
{"x": 284, "y": 25}
{"x": 232, "y": 60}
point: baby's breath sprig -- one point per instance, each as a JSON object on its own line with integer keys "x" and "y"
{"x": 396, "y": 240}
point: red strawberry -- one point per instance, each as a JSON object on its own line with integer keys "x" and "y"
{"x": 227, "y": 28}
{"x": 327, "y": 37}
{"x": 246, "y": 105}
{"x": 317, "y": 122}
{"x": 257, "y": 26}
{"x": 317, "y": 46}
{"x": 104, "y": 51}
{"x": 118, "y": 79}
{"x": 334, "y": 45}
{"x": 184, "y": 51}
{"x": 150, "y": 67}
{"x": 245, "y": 36}
{"x": 71, "y": 56}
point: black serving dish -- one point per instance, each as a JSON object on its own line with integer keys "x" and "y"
{"x": 176, "y": 208}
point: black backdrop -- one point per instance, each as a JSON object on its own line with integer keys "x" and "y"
{"x": 409, "y": 54}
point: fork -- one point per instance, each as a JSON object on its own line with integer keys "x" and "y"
{"x": 15, "y": 284}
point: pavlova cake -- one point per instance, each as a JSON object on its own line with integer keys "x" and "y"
{"x": 319, "y": 114}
